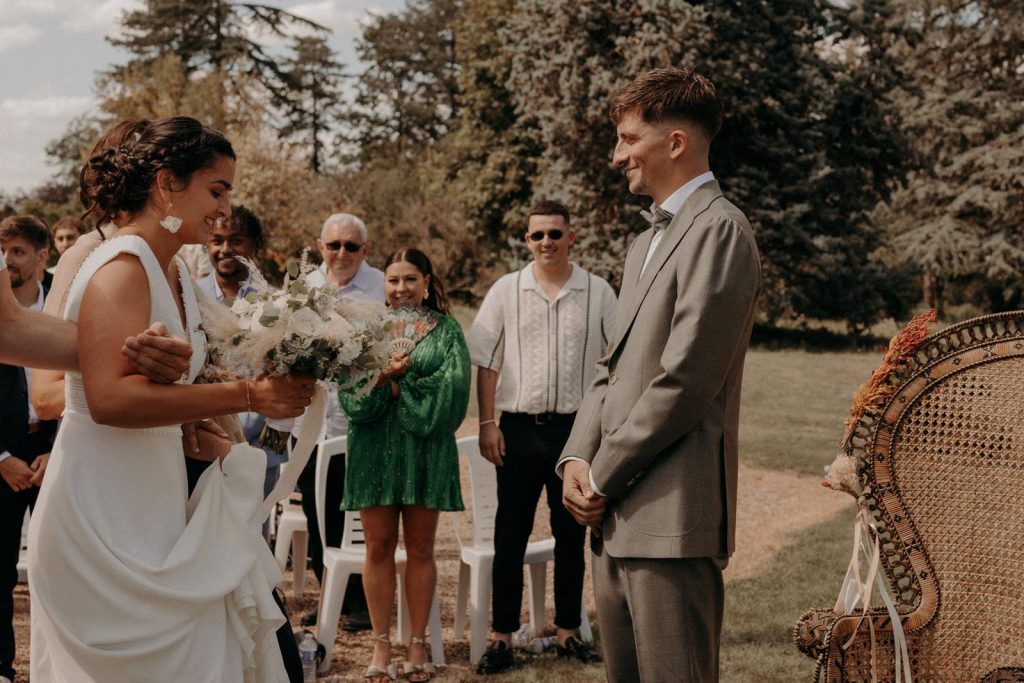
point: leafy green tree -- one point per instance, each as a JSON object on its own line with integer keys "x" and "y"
{"x": 313, "y": 77}
{"x": 408, "y": 95}
{"x": 212, "y": 37}
{"x": 806, "y": 149}
{"x": 489, "y": 160}
{"x": 958, "y": 216}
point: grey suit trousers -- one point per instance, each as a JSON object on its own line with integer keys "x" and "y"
{"x": 660, "y": 618}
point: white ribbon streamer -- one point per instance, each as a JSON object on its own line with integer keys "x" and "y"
{"x": 856, "y": 590}
{"x": 309, "y": 434}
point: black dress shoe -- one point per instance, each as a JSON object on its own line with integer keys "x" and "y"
{"x": 497, "y": 657}
{"x": 358, "y": 620}
{"x": 309, "y": 618}
{"x": 577, "y": 649}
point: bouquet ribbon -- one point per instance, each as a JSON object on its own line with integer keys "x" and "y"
{"x": 309, "y": 435}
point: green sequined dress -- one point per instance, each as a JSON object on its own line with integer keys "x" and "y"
{"x": 401, "y": 451}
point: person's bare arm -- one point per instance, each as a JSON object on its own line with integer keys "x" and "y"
{"x": 492, "y": 442}
{"x": 31, "y": 338}
{"x": 119, "y": 397}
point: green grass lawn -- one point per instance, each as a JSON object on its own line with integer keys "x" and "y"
{"x": 794, "y": 405}
{"x": 760, "y": 612}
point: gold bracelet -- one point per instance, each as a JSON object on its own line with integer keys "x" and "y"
{"x": 248, "y": 398}
{"x": 486, "y": 422}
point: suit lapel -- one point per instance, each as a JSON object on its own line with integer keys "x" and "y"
{"x": 634, "y": 262}
{"x": 696, "y": 204}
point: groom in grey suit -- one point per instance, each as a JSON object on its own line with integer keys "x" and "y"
{"x": 651, "y": 462}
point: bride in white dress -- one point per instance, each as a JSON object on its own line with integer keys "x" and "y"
{"x": 130, "y": 580}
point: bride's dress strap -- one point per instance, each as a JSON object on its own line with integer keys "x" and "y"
{"x": 101, "y": 256}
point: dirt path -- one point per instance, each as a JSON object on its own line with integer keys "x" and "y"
{"x": 794, "y": 501}
{"x": 774, "y": 505}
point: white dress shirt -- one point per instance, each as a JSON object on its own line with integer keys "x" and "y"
{"x": 672, "y": 204}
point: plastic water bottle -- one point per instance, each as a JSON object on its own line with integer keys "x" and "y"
{"x": 307, "y": 653}
{"x": 522, "y": 637}
{"x": 542, "y": 645}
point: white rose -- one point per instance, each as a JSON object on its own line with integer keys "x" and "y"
{"x": 242, "y": 308}
{"x": 306, "y": 323}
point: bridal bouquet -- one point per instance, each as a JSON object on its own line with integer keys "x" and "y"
{"x": 298, "y": 328}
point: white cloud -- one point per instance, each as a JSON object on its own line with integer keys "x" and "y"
{"x": 18, "y": 35}
{"x": 76, "y": 16}
{"x": 331, "y": 14}
{"x": 30, "y": 111}
{"x": 95, "y": 15}
{"x": 29, "y": 124}
{"x": 14, "y": 11}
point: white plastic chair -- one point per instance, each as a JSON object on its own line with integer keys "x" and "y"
{"x": 23, "y": 554}
{"x": 342, "y": 562}
{"x": 292, "y": 531}
{"x": 477, "y": 560}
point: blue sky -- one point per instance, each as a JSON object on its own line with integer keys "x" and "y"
{"x": 51, "y": 50}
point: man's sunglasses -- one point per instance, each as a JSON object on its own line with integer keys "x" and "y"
{"x": 350, "y": 247}
{"x": 538, "y": 235}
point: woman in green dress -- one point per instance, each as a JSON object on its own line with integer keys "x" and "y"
{"x": 402, "y": 460}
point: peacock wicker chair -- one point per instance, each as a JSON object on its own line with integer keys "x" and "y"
{"x": 938, "y": 462}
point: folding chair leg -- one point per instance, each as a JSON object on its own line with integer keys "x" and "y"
{"x": 281, "y": 547}
{"x": 536, "y": 580}
{"x": 479, "y": 597}
{"x": 404, "y": 626}
{"x": 586, "y": 633}
{"x": 461, "y": 599}
{"x": 436, "y": 642}
{"x": 332, "y": 596}
{"x": 300, "y": 542}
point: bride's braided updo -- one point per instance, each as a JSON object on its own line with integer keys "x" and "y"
{"x": 121, "y": 169}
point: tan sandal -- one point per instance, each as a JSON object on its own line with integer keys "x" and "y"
{"x": 376, "y": 674}
{"x": 418, "y": 673}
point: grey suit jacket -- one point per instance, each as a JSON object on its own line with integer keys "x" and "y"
{"x": 659, "y": 423}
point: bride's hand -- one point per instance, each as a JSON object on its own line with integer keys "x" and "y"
{"x": 281, "y": 396}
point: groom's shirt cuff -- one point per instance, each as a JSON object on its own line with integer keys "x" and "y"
{"x": 5, "y": 455}
{"x": 560, "y": 471}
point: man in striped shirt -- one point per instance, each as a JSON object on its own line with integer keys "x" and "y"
{"x": 535, "y": 341}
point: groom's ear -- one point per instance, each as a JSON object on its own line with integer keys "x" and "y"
{"x": 679, "y": 142}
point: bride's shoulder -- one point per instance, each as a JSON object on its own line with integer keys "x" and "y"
{"x": 117, "y": 262}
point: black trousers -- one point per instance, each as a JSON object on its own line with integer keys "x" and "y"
{"x": 12, "y": 516}
{"x": 531, "y": 451}
{"x": 334, "y": 521}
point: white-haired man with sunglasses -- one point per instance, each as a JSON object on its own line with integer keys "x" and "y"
{"x": 541, "y": 330}
{"x": 343, "y": 245}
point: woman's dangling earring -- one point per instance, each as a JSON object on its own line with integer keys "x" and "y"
{"x": 171, "y": 223}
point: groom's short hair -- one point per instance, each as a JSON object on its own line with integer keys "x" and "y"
{"x": 671, "y": 94}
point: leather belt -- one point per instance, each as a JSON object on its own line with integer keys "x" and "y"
{"x": 541, "y": 418}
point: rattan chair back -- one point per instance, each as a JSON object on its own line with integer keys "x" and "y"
{"x": 939, "y": 463}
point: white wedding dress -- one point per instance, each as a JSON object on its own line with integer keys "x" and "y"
{"x": 130, "y": 581}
